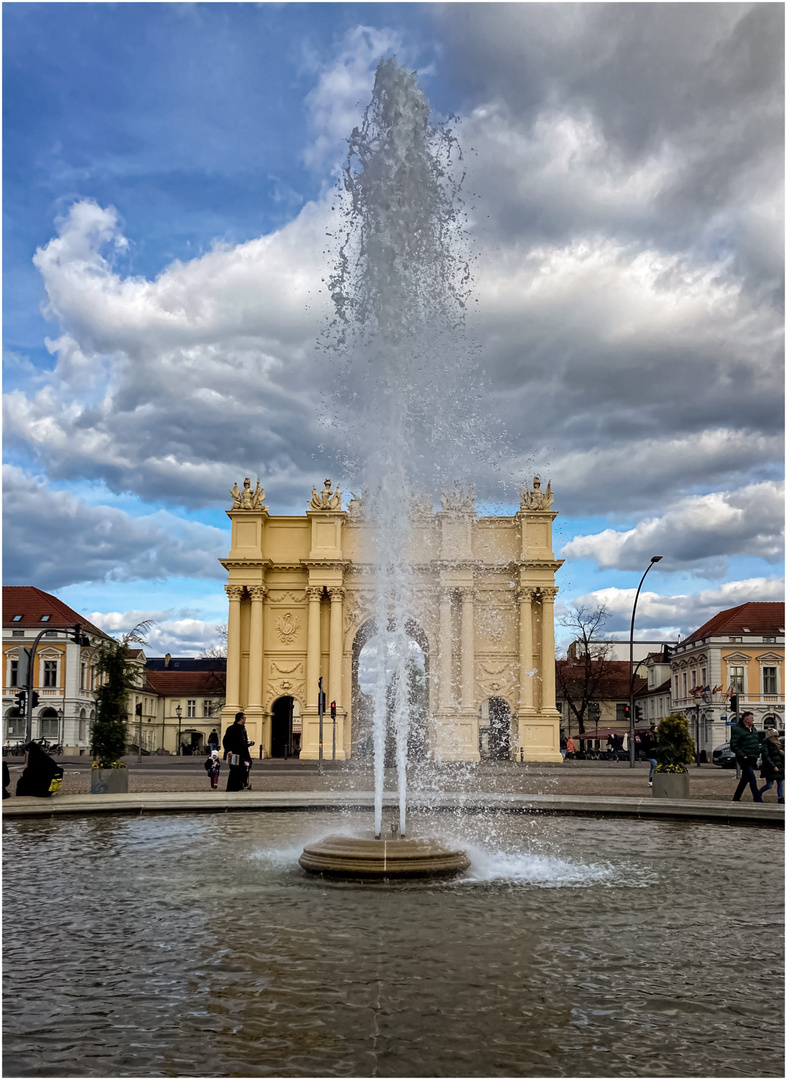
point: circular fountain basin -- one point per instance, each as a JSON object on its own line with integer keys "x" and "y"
{"x": 351, "y": 857}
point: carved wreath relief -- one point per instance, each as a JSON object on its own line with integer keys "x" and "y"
{"x": 287, "y": 626}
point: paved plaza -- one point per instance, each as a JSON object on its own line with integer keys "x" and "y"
{"x": 588, "y": 778}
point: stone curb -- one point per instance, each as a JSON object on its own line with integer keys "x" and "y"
{"x": 238, "y": 802}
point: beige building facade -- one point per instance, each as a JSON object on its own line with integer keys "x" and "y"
{"x": 301, "y": 600}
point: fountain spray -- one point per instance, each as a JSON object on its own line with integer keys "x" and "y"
{"x": 405, "y": 385}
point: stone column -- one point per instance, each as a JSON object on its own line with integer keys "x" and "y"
{"x": 314, "y": 595}
{"x": 234, "y": 650}
{"x": 258, "y": 594}
{"x": 526, "y": 704}
{"x": 335, "y": 644}
{"x": 468, "y": 651}
{"x": 548, "y": 650}
{"x": 444, "y": 673}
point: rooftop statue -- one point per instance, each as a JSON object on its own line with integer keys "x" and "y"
{"x": 247, "y": 499}
{"x": 326, "y": 499}
{"x": 535, "y": 498}
{"x": 458, "y": 501}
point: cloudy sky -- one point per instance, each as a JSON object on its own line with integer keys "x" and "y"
{"x": 169, "y": 171}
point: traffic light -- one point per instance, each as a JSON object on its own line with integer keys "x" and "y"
{"x": 321, "y": 702}
{"x": 734, "y": 703}
{"x": 20, "y": 701}
{"x": 627, "y": 711}
{"x": 638, "y": 712}
{"x": 34, "y": 699}
{"x": 333, "y": 710}
{"x": 138, "y": 709}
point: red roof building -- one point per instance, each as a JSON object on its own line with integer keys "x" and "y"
{"x": 740, "y": 651}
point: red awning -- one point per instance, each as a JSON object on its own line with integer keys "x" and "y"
{"x": 601, "y": 733}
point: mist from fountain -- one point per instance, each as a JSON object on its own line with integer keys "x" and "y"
{"x": 407, "y": 385}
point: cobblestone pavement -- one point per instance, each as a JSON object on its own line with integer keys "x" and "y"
{"x": 571, "y": 778}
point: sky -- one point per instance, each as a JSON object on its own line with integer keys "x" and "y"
{"x": 169, "y": 173}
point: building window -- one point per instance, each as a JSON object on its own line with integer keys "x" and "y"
{"x": 693, "y": 678}
{"x": 50, "y": 724}
{"x": 704, "y": 676}
{"x": 13, "y": 678}
{"x": 736, "y": 678}
{"x": 191, "y": 708}
{"x": 83, "y": 676}
{"x": 207, "y": 707}
{"x": 17, "y": 633}
{"x": 50, "y": 673}
{"x": 16, "y": 618}
{"x": 685, "y": 685}
{"x": 620, "y": 713}
{"x": 16, "y": 725}
{"x": 769, "y": 680}
{"x": 45, "y": 618}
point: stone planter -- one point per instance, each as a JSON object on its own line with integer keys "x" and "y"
{"x": 108, "y": 781}
{"x": 671, "y": 785}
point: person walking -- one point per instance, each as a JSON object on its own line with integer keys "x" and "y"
{"x": 772, "y": 764}
{"x": 213, "y": 768}
{"x": 213, "y": 741}
{"x": 647, "y": 746}
{"x": 745, "y": 745}
{"x": 570, "y": 749}
{"x": 237, "y": 751}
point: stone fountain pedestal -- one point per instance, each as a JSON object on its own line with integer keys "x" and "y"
{"x": 349, "y": 857}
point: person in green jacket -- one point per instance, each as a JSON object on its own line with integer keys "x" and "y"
{"x": 745, "y": 745}
{"x": 772, "y": 763}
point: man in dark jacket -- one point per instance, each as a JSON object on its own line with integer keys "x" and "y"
{"x": 745, "y": 745}
{"x": 238, "y": 753}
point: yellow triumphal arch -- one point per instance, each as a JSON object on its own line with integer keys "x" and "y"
{"x": 301, "y": 598}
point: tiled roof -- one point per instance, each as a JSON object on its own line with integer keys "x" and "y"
{"x": 181, "y": 663}
{"x": 755, "y": 617}
{"x": 31, "y": 603}
{"x": 615, "y": 684}
{"x": 185, "y": 683}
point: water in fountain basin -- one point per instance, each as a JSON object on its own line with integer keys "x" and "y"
{"x": 407, "y": 382}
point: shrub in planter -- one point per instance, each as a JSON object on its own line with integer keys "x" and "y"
{"x": 674, "y": 753}
{"x": 115, "y": 672}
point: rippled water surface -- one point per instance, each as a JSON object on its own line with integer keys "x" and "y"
{"x": 196, "y": 946}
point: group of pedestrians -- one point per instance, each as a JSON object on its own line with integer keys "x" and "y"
{"x": 747, "y": 748}
{"x": 237, "y": 753}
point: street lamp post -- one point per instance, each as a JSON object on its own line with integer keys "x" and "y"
{"x": 178, "y": 713}
{"x": 632, "y": 744}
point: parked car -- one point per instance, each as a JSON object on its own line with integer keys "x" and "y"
{"x": 725, "y": 758}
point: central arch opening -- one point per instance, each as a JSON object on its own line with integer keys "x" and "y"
{"x": 367, "y": 656}
{"x": 286, "y": 728}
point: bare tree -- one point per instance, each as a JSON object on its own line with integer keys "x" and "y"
{"x": 218, "y": 650}
{"x": 587, "y": 670}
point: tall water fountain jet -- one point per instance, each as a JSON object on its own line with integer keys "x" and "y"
{"x": 406, "y": 384}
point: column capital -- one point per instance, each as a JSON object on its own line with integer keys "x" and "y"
{"x": 337, "y": 592}
{"x": 314, "y": 592}
{"x": 526, "y": 593}
{"x": 258, "y": 592}
{"x": 467, "y": 592}
{"x": 234, "y": 592}
{"x": 548, "y": 594}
